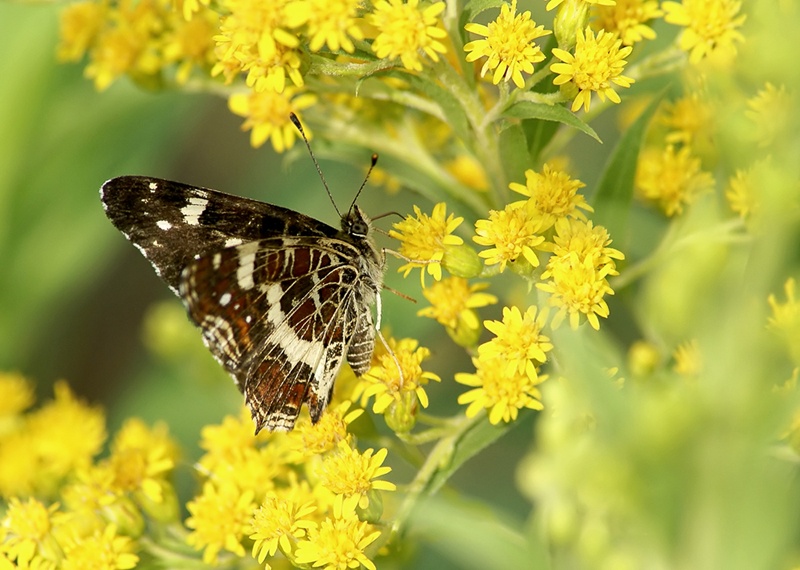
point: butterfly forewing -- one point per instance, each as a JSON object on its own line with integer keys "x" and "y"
{"x": 172, "y": 223}
{"x": 281, "y": 298}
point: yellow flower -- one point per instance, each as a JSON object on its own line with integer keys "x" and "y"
{"x": 508, "y": 46}
{"x": 689, "y": 119}
{"x": 190, "y": 44}
{"x": 741, "y": 192}
{"x": 351, "y": 473}
{"x": 771, "y": 111}
{"x": 576, "y": 273}
{"x": 785, "y": 319}
{"x": 711, "y": 26}
{"x": 252, "y": 39}
{"x": 552, "y": 194}
{"x": 80, "y": 23}
{"x": 280, "y": 521}
{"x": 338, "y": 542}
{"x": 405, "y": 28}
{"x": 142, "y": 458}
{"x": 453, "y": 303}
{"x": 671, "y": 178}
{"x": 220, "y": 518}
{"x": 597, "y": 63}
{"x": 267, "y": 115}
{"x": 27, "y": 529}
{"x": 102, "y": 550}
{"x": 513, "y": 232}
{"x": 65, "y": 434}
{"x": 467, "y": 170}
{"x": 518, "y": 342}
{"x": 309, "y": 439}
{"x": 628, "y": 19}
{"x": 688, "y": 360}
{"x": 16, "y": 396}
{"x": 397, "y": 381}
{"x": 328, "y": 22}
{"x": 503, "y": 394}
{"x": 424, "y": 240}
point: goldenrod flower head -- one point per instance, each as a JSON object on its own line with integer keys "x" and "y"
{"x": 80, "y": 24}
{"x": 16, "y": 396}
{"x": 741, "y": 192}
{"x": 278, "y": 523}
{"x": 252, "y": 39}
{"x": 576, "y": 273}
{"x": 65, "y": 434}
{"x": 553, "y": 194}
{"x": 509, "y": 45}
{"x": 770, "y": 110}
{"x": 424, "y": 240}
{"x": 332, "y": 23}
{"x": 711, "y": 26}
{"x": 190, "y": 44}
{"x": 338, "y": 542}
{"x": 267, "y": 115}
{"x": 453, "y": 303}
{"x": 405, "y": 28}
{"x": 103, "y": 550}
{"x": 220, "y": 518}
{"x": 499, "y": 392}
{"x": 141, "y": 458}
{"x": 688, "y": 359}
{"x": 387, "y": 384}
{"x": 351, "y": 473}
{"x": 315, "y": 439}
{"x": 189, "y": 7}
{"x": 512, "y": 232}
{"x": 597, "y": 63}
{"x": 643, "y": 358}
{"x": 518, "y": 341}
{"x": 785, "y": 319}
{"x": 671, "y": 178}
{"x": 27, "y": 529}
{"x": 467, "y": 170}
{"x": 629, "y": 19}
{"x": 688, "y": 119}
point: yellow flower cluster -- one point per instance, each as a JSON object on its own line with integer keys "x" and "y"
{"x": 310, "y": 494}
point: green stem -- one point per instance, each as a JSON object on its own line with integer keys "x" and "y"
{"x": 438, "y": 458}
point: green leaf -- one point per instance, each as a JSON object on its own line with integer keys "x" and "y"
{"x": 557, "y": 113}
{"x": 475, "y": 7}
{"x": 615, "y": 190}
{"x": 472, "y": 441}
{"x": 514, "y": 152}
{"x": 451, "y": 108}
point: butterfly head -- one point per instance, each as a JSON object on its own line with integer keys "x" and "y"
{"x": 356, "y": 224}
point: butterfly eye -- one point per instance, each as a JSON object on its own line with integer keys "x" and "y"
{"x": 359, "y": 228}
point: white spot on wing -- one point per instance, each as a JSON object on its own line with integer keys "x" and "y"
{"x": 193, "y": 210}
{"x": 247, "y": 264}
{"x": 216, "y": 261}
{"x": 225, "y": 299}
{"x": 153, "y": 186}
{"x": 164, "y": 225}
{"x": 230, "y": 242}
{"x": 295, "y": 349}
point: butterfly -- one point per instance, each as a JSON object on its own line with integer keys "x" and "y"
{"x": 282, "y": 299}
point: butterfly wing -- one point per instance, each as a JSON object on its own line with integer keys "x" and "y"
{"x": 279, "y": 314}
{"x": 173, "y": 223}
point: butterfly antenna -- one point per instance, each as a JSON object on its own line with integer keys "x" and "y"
{"x": 371, "y": 167}
{"x": 297, "y": 124}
